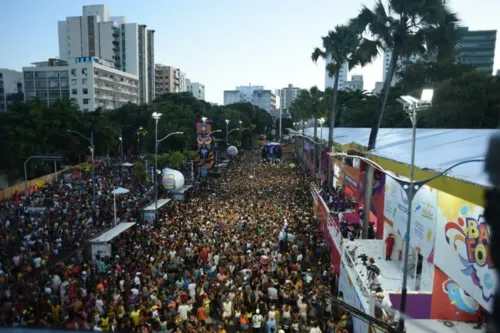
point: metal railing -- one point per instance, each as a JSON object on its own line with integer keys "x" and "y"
{"x": 360, "y": 280}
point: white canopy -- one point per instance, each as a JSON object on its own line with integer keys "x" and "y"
{"x": 112, "y": 233}
{"x": 182, "y": 189}
{"x": 161, "y": 203}
{"x": 127, "y": 164}
{"x": 436, "y": 149}
{"x": 120, "y": 190}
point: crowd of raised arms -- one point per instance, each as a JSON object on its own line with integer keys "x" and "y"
{"x": 244, "y": 254}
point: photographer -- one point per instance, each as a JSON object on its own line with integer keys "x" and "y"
{"x": 351, "y": 247}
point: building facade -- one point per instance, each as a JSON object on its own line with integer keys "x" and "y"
{"x": 92, "y": 82}
{"x": 129, "y": 46}
{"x": 477, "y": 48}
{"x": 11, "y": 88}
{"x": 286, "y": 97}
{"x": 356, "y": 83}
{"x": 167, "y": 79}
{"x": 257, "y": 95}
{"x": 182, "y": 84}
{"x": 330, "y": 81}
{"x": 197, "y": 89}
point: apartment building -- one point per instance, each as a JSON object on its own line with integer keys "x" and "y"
{"x": 330, "y": 81}
{"x": 183, "y": 82}
{"x": 257, "y": 95}
{"x": 167, "y": 79}
{"x": 197, "y": 89}
{"x": 477, "y": 48}
{"x": 11, "y": 88}
{"x": 92, "y": 82}
{"x": 356, "y": 83}
{"x": 286, "y": 97}
{"x": 128, "y": 46}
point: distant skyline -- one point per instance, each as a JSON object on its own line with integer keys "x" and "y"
{"x": 220, "y": 43}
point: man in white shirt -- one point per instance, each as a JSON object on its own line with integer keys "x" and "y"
{"x": 351, "y": 247}
{"x": 257, "y": 320}
{"x": 183, "y": 311}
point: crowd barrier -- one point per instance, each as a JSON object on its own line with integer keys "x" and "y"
{"x": 8, "y": 192}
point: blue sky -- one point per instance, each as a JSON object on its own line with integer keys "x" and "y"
{"x": 221, "y": 43}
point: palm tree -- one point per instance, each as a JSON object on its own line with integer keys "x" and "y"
{"x": 343, "y": 45}
{"x": 405, "y": 28}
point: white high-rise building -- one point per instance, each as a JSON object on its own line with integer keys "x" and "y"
{"x": 90, "y": 81}
{"x": 182, "y": 83}
{"x": 257, "y": 95}
{"x": 287, "y": 96}
{"x": 197, "y": 89}
{"x": 129, "y": 46}
{"x": 11, "y": 88}
{"x": 330, "y": 81}
{"x": 400, "y": 63}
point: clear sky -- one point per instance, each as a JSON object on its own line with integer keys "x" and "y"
{"x": 221, "y": 43}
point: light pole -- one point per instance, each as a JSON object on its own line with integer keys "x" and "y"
{"x": 227, "y": 131}
{"x": 156, "y": 116}
{"x": 241, "y": 143}
{"x": 410, "y": 188}
{"x": 92, "y": 148}
{"x": 321, "y": 121}
{"x": 138, "y": 133}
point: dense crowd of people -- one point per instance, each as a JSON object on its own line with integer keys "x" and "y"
{"x": 244, "y": 254}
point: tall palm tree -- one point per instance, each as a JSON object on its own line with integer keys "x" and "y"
{"x": 344, "y": 44}
{"x": 405, "y": 28}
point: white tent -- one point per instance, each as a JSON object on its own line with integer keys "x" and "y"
{"x": 161, "y": 203}
{"x": 127, "y": 164}
{"x": 100, "y": 245}
{"x": 115, "y": 192}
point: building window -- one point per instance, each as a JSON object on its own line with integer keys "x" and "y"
{"x": 85, "y": 81}
{"x": 73, "y": 82}
{"x": 73, "y": 72}
{"x": 85, "y": 91}
{"x": 84, "y": 71}
{"x": 85, "y": 101}
{"x": 74, "y": 92}
{"x": 85, "y": 110}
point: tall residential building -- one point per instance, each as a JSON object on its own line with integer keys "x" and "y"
{"x": 167, "y": 79}
{"x": 477, "y": 48}
{"x": 197, "y": 89}
{"x": 182, "y": 85}
{"x": 356, "y": 83}
{"x": 90, "y": 81}
{"x": 400, "y": 63}
{"x": 330, "y": 81}
{"x": 11, "y": 88}
{"x": 129, "y": 46}
{"x": 287, "y": 96}
{"x": 257, "y": 95}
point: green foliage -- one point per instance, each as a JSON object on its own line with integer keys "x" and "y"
{"x": 190, "y": 154}
{"x": 140, "y": 171}
{"x": 33, "y": 128}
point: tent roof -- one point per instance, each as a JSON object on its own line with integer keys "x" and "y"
{"x": 161, "y": 203}
{"x": 436, "y": 149}
{"x": 112, "y": 233}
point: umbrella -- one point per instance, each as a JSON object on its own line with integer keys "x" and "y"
{"x": 127, "y": 164}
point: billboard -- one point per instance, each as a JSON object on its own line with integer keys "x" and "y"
{"x": 424, "y": 215}
{"x": 463, "y": 248}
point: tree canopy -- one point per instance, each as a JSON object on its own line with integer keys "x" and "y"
{"x": 33, "y": 128}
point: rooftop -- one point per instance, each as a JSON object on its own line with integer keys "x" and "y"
{"x": 436, "y": 149}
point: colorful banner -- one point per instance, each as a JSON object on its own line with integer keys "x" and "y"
{"x": 351, "y": 298}
{"x": 449, "y": 301}
{"x": 378, "y": 194}
{"x": 463, "y": 248}
{"x": 423, "y": 224}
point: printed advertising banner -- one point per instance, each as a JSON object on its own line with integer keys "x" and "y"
{"x": 351, "y": 297}
{"x": 449, "y": 301}
{"x": 463, "y": 248}
{"x": 424, "y": 215}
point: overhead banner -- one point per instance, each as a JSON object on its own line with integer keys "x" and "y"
{"x": 463, "y": 248}
{"x": 423, "y": 223}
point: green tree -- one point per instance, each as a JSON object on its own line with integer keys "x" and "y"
{"x": 404, "y": 28}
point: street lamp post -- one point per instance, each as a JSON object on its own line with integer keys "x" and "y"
{"x": 241, "y": 143}
{"x": 227, "y": 131}
{"x": 321, "y": 122}
{"x": 92, "y": 148}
